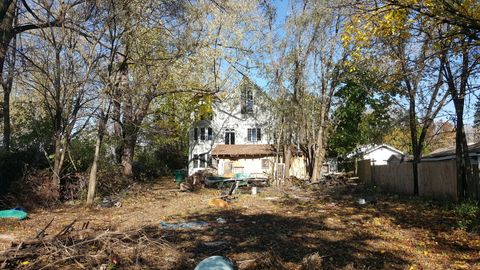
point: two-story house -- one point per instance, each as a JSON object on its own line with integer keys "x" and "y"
{"x": 237, "y": 138}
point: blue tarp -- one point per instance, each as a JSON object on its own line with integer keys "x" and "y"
{"x": 184, "y": 225}
{"x": 16, "y": 214}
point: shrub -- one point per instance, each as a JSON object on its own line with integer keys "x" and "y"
{"x": 82, "y": 151}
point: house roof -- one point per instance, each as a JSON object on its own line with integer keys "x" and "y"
{"x": 473, "y": 149}
{"x": 369, "y": 148}
{"x": 237, "y": 150}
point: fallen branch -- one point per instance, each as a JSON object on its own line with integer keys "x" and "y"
{"x": 65, "y": 229}
{"x": 42, "y": 232}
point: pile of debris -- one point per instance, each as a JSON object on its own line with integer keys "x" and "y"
{"x": 85, "y": 248}
{"x": 328, "y": 181}
{"x": 294, "y": 181}
{"x": 336, "y": 180}
{"x": 195, "y": 181}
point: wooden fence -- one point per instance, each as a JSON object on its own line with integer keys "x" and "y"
{"x": 394, "y": 178}
{"x": 435, "y": 179}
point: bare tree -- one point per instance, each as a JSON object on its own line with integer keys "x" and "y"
{"x": 62, "y": 70}
{"x": 311, "y": 70}
{"x": 18, "y": 17}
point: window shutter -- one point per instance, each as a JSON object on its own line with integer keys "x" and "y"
{"x": 259, "y": 135}
{"x": 195, "y": 134}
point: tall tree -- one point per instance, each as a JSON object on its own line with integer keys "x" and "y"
{"x": 461, "y": 64}
{"x": 308, "y": 77}
{"x": 408, "y": 43}
{"x": 21, "y": 16}
{"x": 62, "y": 67}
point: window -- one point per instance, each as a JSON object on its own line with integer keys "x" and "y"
{"x": 195, "y": 161}
{"x": 227, "y": 168}
{"x": 247, "y": 100}
{"x": 265, "y": 164}
{"x": 205, "y": 134}
{"x": 203, "y": 161}
{"x": 254, "y": 135}
{"x": 210, "y": 134}
{"x": 229, "y": 136}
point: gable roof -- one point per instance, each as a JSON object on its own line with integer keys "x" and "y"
{"x": 369, "y": 148}
{"x": 449, "y": 152}
{"x": 243, "y": 150}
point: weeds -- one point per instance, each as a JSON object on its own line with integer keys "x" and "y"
{"x": 468, "y": 213}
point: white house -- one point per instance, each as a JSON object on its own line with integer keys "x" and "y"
{"x": 236, "y": 139}
{"x": 378, "y": 154}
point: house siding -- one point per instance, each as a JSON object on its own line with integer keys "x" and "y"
{"x": 380, "y": 156}
{"x": 227, "y": 114}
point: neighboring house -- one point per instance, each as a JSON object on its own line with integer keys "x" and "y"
{"x": 236, "y": 139}
{"x": 378, "y": 154}
{"x": 448, "y": 153}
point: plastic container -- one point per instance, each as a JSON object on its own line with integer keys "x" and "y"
{"x": 180, "y": 176}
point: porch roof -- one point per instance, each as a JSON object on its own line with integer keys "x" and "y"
{"x": 237, "y": 150}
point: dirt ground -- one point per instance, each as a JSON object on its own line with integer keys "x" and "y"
{"x": 275, "y": 229}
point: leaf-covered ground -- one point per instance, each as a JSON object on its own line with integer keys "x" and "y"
{"x": 277, "y": 228}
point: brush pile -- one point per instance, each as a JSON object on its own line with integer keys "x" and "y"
{"x": 337, "y": 180}
{"x": 84, "y": 248}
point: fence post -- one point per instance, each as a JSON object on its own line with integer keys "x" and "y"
{"x": 365, "y": 171}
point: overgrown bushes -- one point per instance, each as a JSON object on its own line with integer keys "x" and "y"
{"x": 159, "y": 162}
{"x": 14, "y": 165}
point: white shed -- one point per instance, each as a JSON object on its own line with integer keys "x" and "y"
{"x": 378, "y": 154}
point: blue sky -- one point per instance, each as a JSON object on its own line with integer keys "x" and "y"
{"x": 282, "y": 7}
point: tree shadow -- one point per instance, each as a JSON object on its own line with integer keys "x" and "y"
{"x": 247, "y": 236}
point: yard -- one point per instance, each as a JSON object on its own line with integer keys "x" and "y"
{"x": 279, "y": 228}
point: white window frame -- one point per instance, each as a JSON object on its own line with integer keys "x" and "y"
{"x": 254, "y": 134}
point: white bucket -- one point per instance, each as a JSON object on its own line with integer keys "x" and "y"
{"x": 254, "y": 190}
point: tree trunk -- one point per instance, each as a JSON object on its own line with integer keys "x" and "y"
{"x": 57, "y": 166}
{"x": 462, "y": 157}
{"x": 319, "y": 155}
{"x": 7, "y": 17}
{"x": 288, "y": 157}
{"x": 458, "y": 92}
{"x": 413, "y": 135}
{"x": 92, "y": 180}
{"x": 117, "y": 127}
{"x": 6, "y": 118}
{"x": 128, "y": 153}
